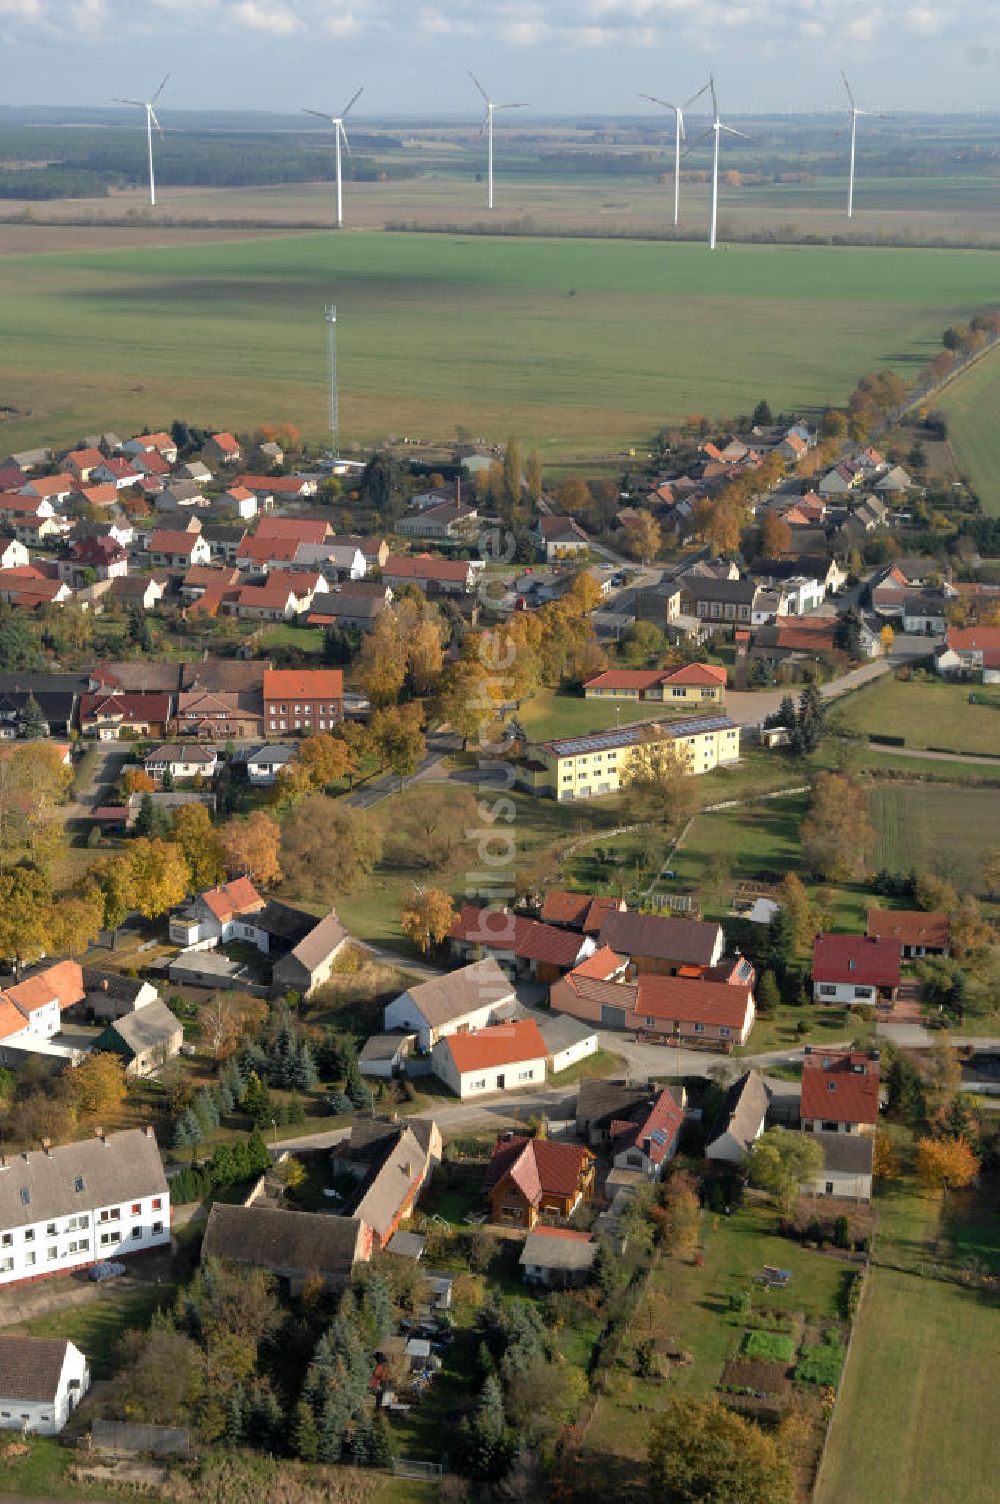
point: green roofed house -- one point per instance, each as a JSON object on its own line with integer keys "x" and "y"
{"x": 145, "y": 1039}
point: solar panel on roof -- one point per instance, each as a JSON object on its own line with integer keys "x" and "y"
{"x": 629, "y": 736}
{"x": 658, "y": 1136}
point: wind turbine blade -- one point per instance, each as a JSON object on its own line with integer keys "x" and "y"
{"x": 139, "y": 103}
{"x": 152, "y": 116}
{"x": 519, "y": 104}
{"x": 715, "y": 102}
{"x": 353, "y": 102}
{"x": 479, "y": 86}
{"x": 703, "y": 90}
{"x": 707, "y": 134}
{"x": 160, "y": 89}
{"x": 729, "y": 130}
{"x": 680, "y": 125}
{"x": 486, "y": 121}
{"x": 343, "y": 137}
{"x": 847, "y": 86}
{"x": 664, "y": 102}
{"x": 319, "y": 115}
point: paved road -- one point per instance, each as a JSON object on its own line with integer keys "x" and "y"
{"x": 749, "y": 707}
{"x": 105, "y": 761}
{"x": 439, "y": 745}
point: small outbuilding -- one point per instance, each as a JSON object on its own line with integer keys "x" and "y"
{"x": 145, "y": 1039}
{"x": 557, "y": 1257}
{"x": 42, "y": 1380}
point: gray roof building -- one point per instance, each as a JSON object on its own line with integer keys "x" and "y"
{"x": 309, "y": 964}
{"x": 483, "y": 984}
{"x": 94, "y": 1172}
{"x": 548, "y": 1248}
{"x": 561, "y": 1031}
{"x": 31, "y": 1367}
{"x": 292, "y": 1245}
{"x": 741, "y": 1118}
{"x": 846, "y": 1153}
{"x": 146, "y": 1038}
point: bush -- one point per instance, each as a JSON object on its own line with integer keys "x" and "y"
{"x": 770, "y": 1345}
{"x": 821, "y": 1365}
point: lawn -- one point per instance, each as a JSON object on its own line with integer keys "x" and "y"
{"x": 688, "y": 1306}
{"x": 285, "y": 635}
{"x": 600, "y": 1063}
{"x": 970, "y": 404}
{"x": 934, "y": 827}
{"x": 916, "y": 1421}
{"x": 97, "y": 1325}
{"x": 927, "y": 713}
{"x": 560, "y": 341}
{"x": 551, "y": 714}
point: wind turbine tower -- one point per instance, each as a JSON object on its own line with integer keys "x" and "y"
{"x": 151, "y": 120}
{"x": 717, "y": 129}
{"x": 339, "y": 137}
{"x": 679, "y": 136}
{"x": 331, "y": 332}
{"x": 487, "y": 129}
{"x": 853, "y": 114}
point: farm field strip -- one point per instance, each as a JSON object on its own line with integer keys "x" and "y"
{"x": 563, "y": 342}
{"x": 972, "y": 405}
{"x": 934, "y": 827}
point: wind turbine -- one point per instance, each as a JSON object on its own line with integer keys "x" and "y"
{"x": 151, "y": 120}
{"x": 854, "y": 112}
{"x": 679, "y": 136}
{"x": 487, "y": 129}
{"x": 717, "y": 129}
{"x": 339, "y": 135}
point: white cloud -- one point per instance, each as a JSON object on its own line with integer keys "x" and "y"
{"x": 21, "y": 10}
{"x": 90, "y": 16}
{"x": 344, "y": 24}
{"x": 275, "y": 19}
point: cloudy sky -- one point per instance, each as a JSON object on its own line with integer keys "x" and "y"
{"x": 561, "y": 55}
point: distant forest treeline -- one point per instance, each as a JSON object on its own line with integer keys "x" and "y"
{"x": 86, "y": 163}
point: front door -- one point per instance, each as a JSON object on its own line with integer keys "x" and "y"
{"x": 501, "y": 1080}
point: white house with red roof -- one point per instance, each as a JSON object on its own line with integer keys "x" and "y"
{"x": 222, "y": 449}
{"x": 175, "y": 549}
{"x": 974, "y": 651}
{"x": 501, "y": 1057}
{"x": 144, "y": 443}
{"x": 840, "y": 1091}
{"x": 217, "y": 916}
{"x": 118, "y": 473}
{"x": 81, "y": 462}
{"x": 855, "y": 969}
{"x": 647, "y": 1141}
{"x": 444, "y": 576}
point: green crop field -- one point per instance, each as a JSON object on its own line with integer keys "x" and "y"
{"x": 936, "y": 828}
{"x": 927, "y": 713}
{"x": 910, "y": 1427}
{"x": 580, "y": 346}
{"x": 972, "y": 407}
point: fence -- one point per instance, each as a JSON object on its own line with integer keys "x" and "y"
{"x": 408, "y": 1467}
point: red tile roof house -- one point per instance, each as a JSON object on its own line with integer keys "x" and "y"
{"x": 578, "y": 911}
{"x": 444, "y": 576}
{"x": 562, "y": 538}
{"x": 117, "y": 472}
{"x": 217, "y": 916}
{"x": 109, "y": 712}
{"x": 695, "y": 1010}
{"x": 648, "y": 1141}
{"x": 700, "y": 682}
{"x": 178, "y": 550}
{"x": 279, "y": 487}
{"x": 275, "y": 601}
{"x": 470, "y": 998}
{"x": 53, "y": 488}
{"x": 523, "y": 947}
{"x": 918, "y": 933}
{"x": 840, "y": 1091}
{"x": 971, "y": 650}
{"x": 221, "y": 449}
{"x": 532, "y": 1178}
{"x": 103, "y": 558}
{"x": 80, "y": 462}
{"x": 502, "y": 1057}
{"x": 855, "y": 969}
{"x": 306, "y": 700}
{"x": 145, "y": 443}
{"x": 301, "y": 529}
{"x": 40, "y": 1001}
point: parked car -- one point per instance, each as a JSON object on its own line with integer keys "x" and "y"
{"x": 105, "y": 1270}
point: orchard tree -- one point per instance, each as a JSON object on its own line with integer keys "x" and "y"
{"x": 427, "y": 916}
{"x": 946, "y": 1163}
{"x": 779, "y": 1162}
{"x": 328, "y": 849}
{"x": 702, "y": 1453}
{"x": 251, "y": 848}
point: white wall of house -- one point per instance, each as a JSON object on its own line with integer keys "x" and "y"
{"x": 841, "y": 1183}
{"x": 844, "y": 992}
{"x": 403, "y": 1013}
{"x": 479, "y": 1083}
{"x": 563, "y": 1059}
{"x": 48, "y": 1417}
{"x": 637, "y": 1159}
{"x": 71, "y": 1242}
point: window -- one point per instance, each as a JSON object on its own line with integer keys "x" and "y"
{"x": 136, "y": 1208}
{"x": 157, "y": 1226}
{"x": 52, "y": 1253}
{"x": 724, "y": 1031}
{"x": 829, "y": 1188}
{"x": 136, "y": 1233}
{"x": 699, "y": 1028}
{"x": 29, "y": 1259}
{"x": 7, "y": 1239}
{"x": 826, "y": 989}
{"x": 6, "y": 1265}
{"x": 50, "y": 1228}
{"x": 29, "y": 1234}
{"x": 525, "y": 1075}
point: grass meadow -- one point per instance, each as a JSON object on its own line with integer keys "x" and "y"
{"x": 971, "y": 405}
{"x": 927, "y": 712}
{"x": 581, "y": 347}
{"x": 912, "y": 1427}
{"x": 934, "y": 828}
